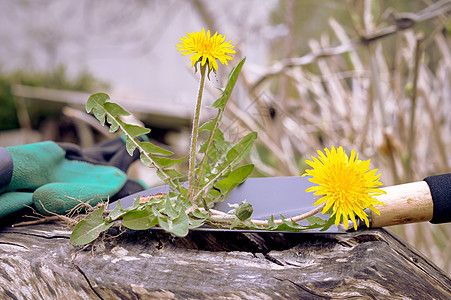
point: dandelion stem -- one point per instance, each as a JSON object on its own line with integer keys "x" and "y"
{"x": 294, "y": 219}
{"x": 221, "y": 217}
{"x": 194, "y": 134}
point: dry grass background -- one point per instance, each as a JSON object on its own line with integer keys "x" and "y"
{"x": 383, "y": 89}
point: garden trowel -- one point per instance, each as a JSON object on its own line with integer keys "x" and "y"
{"x": 427, "y": 200}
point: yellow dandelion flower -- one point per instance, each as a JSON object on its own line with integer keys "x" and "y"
{"x": 345, "y": 183}
{"x": 206, "y": 48}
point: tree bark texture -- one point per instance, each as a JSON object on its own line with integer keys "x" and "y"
{"x": 37, "y": 262}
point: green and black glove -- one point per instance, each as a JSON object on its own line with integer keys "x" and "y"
{"x": 57, "y": 177}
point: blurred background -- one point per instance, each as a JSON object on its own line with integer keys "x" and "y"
{"x": 367, "y": 75}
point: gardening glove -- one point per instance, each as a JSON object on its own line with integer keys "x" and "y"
{"x": 109, "y": 153}
{"x": 57, "y": 177}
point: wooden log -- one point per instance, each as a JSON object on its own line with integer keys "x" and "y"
{"x": 37, "y": 262}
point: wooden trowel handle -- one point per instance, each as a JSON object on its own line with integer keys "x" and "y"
{"x": 428, "y": 200}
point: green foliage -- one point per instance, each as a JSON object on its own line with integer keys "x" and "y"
{"x": 151, "y": 155}
{"x": 139, "y": 219}
{"x": 234, "y": 178}
{"x": 57, "y": 79}
{"x": 218, "y": 173}
{"x": 329, "y": 223}
{"x": 89, "y": 229}
{"x": 221, "y": 102}
{"x": 244, "y": 211}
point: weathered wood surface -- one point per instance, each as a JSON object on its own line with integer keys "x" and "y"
{"x": 37, "y": 262}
